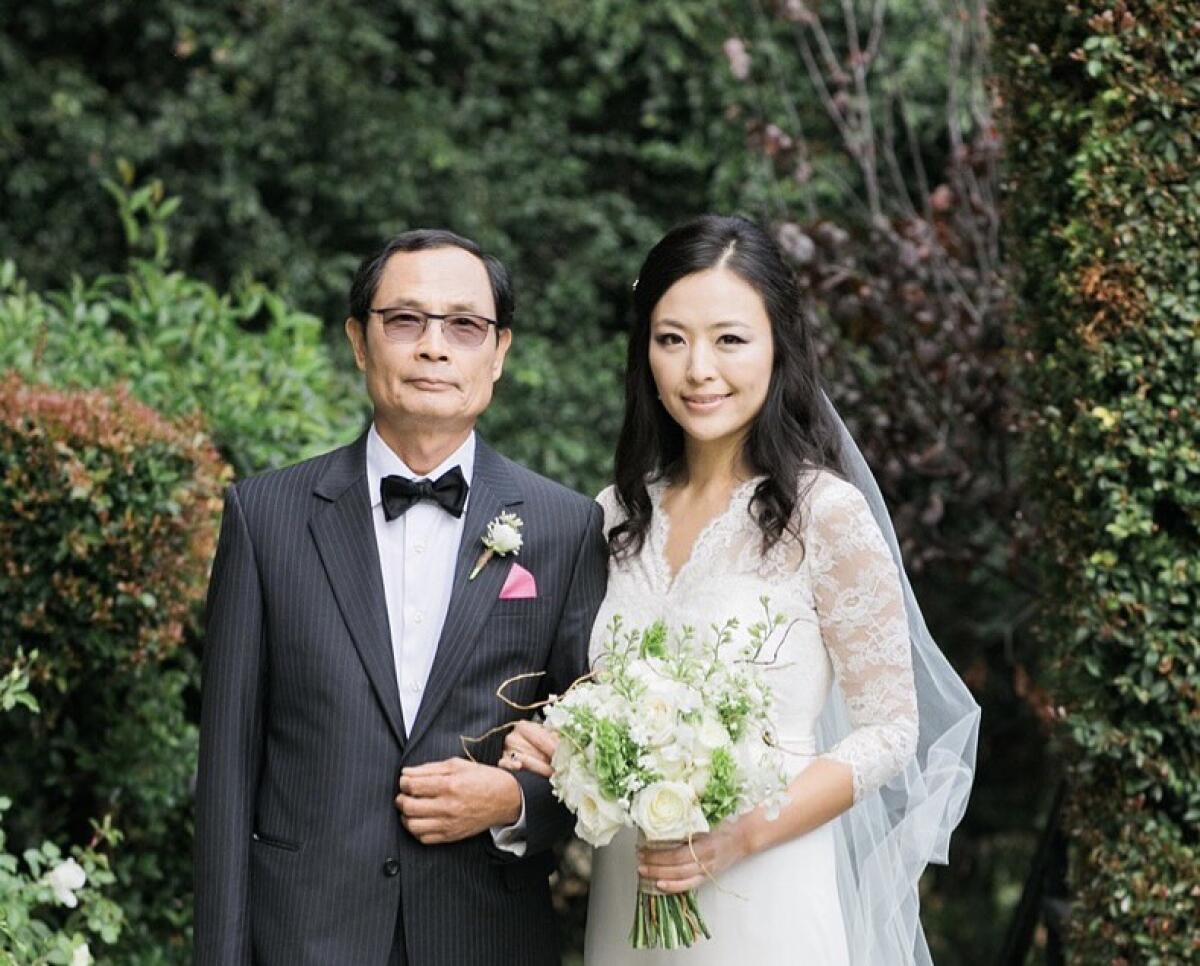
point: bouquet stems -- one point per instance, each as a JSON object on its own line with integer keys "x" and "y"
{"x": 661, "y": 920}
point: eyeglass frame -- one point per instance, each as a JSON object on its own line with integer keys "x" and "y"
{"x": 427, "y": 316}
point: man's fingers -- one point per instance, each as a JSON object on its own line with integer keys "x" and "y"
{"x": 422, "y": 786}
{"x": 432, "y": 768}
{"x": 419, "y": 807}
{"x": 426, "y": 832}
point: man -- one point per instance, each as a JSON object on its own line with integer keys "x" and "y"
{"x": 365, "y": 606}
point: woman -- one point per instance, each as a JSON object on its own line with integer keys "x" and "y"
{"x": 728, "y": 490}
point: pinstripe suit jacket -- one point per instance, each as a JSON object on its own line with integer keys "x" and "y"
{"x": 300, "y": 854}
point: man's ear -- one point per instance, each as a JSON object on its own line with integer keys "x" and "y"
{"x": 503, "y": 343}
{"x": 356, "y": 332}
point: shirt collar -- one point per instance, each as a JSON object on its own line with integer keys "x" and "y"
{"x": 382, "y": 461}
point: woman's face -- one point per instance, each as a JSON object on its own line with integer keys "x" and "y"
{"x": 711, "y": 352}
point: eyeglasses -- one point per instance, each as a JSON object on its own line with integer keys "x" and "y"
{"x": 409, "y": 325}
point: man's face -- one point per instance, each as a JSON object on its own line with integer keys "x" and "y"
{"x": 433, "y": 383}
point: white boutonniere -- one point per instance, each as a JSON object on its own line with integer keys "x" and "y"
{"x": 503, "y": 537}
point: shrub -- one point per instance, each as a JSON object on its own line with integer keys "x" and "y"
{"x": 1105, "y": 217}
{"x": 110, "y": 524}
{"x": 33, "y": 929}
{"x": 257, "y": 369}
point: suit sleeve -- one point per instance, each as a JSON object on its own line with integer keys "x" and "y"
{"x": 547, "y": 821}
{"x": 232, "y": 684}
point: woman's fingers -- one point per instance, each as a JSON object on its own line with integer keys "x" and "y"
{"x": 531, "y": 761}
{"x": 682, "y": 885}
{"x": 540, "y": 737}
{"x": 520, "y": 755}
{"x": 529, "y": 747}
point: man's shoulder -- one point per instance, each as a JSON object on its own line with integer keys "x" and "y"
{"x": 541, "y": 488}
{"x": 293, "y": 481}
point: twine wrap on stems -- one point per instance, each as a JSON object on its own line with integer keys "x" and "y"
{"x": 664, "y": 920}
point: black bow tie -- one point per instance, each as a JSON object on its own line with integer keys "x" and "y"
{"x": 449, "y": 491}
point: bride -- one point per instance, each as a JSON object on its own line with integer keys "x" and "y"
{"x": 733, "y": 484}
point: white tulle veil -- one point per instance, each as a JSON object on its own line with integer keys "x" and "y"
{"x": 886, "y": 840}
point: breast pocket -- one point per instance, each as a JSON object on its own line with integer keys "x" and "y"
{"x": 535, "y": 609}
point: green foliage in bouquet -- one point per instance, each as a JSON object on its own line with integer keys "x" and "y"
{"x": 257, "y": 369}
{"x": 643, "y": 747}
{"x": 1104, "y": 104}
{"x": 111, "y": 522}
{"x": 34, "y": 928}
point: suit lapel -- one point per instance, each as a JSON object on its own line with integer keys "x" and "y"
{"x": 345, "y": 537}
{"x": 493, "y": 490}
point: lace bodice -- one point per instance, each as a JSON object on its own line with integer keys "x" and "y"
{"x": 839, "y": 590}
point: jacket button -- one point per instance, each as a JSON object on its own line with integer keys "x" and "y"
{"x": 391, "y": 867}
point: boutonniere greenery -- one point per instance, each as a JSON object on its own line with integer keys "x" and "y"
{"x": 503, "y": 537}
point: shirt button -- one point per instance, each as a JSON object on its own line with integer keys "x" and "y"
{"x": 418, "y": 617}
{"x": 391, "y": 868}
{"x": 419, "y": 548}
{"x": 414, "y": 687}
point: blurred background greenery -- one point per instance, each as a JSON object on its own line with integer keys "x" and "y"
{"x": 187, "y": 187}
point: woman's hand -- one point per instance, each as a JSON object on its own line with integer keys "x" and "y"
{"x": 688, "y": 866}
{"x": 529, "y": 747}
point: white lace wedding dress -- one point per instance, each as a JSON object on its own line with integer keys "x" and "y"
{"x": 841, "y": 588}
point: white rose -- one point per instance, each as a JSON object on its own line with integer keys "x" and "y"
{"x": 672, "y": 761}
{"x": 656, "y": 715}
{"x": 668, "y": 811}
{"x": 503, "y": 537}
{"x": 82, "y": 956}
{"x": 597, "y": 819}
{"x": 711, "y": 734}
{"x": 751, "y": 753}
{"x": 569, "y": 774}
{"x": 65, "y": 878}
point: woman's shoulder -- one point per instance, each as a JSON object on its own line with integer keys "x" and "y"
{"x": 827, "y": 497}
{"x": 610, "y": 503}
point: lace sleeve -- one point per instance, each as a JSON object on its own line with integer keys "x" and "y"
{"x": 860, "y": 606}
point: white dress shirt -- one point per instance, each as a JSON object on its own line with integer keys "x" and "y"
{"x": 418, "y": 552}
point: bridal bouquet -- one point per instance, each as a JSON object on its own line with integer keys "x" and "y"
{"x": 669, "y": 735}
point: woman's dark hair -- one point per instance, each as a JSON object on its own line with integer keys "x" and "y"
{"x": 790, "y": 434}
{"x": 370, "y": 271}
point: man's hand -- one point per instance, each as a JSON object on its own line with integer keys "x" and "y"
{"x": 446, "y": 801}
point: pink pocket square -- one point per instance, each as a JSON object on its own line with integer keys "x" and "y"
{"x": 519, "y": 585}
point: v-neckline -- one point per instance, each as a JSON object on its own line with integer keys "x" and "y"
{"x": 662, "y": 529}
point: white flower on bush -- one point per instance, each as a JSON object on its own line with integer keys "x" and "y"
{"x": 597, "y": 819}
{"x": 82, "y": 955}
{"x": 668, "y": 811}
{"x": 66, "y": 879}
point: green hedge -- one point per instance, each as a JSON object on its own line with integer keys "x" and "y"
{"x": 1105, "y": 216}
{"x": 259, "y": 370}
{"x": 110, "y": 524}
